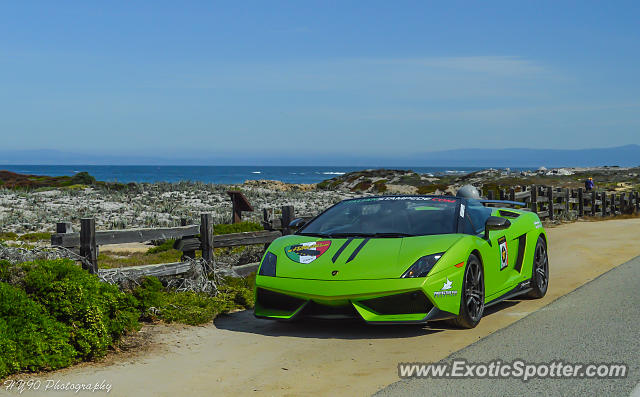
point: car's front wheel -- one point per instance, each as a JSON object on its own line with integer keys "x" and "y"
{"x": 472, "y": 294}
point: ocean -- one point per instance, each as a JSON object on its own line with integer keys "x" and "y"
{"x": 212, "y": 174}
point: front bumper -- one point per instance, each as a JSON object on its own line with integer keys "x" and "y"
{"x": 383, "y": 301}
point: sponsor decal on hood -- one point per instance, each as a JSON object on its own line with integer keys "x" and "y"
{"x": 307, "y": 252}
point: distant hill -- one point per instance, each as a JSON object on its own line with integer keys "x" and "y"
{"x": 628, "y": 155}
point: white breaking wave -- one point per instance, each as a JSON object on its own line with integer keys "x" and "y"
{"x": 333, "y": 173}
{"x": 256, "y": 172}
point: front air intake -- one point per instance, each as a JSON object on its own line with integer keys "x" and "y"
{"x": 406, "y": 303}
{"x": 274, "y": 300}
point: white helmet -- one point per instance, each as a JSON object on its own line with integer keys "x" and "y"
{"x": 468, "y": 191}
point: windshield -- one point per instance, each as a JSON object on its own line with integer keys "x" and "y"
{"x": 391, "y": 216}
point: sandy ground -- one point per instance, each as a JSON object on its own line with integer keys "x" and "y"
{"x": 126, "y": 247}
{"x": 240, "y": 355}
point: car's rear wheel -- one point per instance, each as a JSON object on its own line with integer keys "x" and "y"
{"x": 540, "y": 271}
{"x": 472, "y": 294}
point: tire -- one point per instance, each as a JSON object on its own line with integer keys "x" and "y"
{"x": 539, "y": 270}
{"x": 471, "y": 295}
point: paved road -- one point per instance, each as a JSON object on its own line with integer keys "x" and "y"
{"x": 595, "y": 323}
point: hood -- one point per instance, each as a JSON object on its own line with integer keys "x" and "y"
{"x": 357, "y": 258}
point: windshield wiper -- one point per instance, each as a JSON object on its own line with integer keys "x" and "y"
{"x": 314, "y": 234}
{"x": 375, "y": 235}
{"x": 393, "y": 234}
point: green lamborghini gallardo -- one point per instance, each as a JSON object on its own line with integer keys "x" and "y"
{"x": 404, "y": 259}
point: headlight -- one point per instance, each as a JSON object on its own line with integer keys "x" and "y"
{"x": 422, "y": 266}
{"x": 268, "y": 266}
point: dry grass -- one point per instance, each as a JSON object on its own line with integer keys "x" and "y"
{"x": 232, "y": 255}
{"x": 109, "y": 259}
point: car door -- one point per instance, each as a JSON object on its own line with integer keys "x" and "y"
{"x": 504, "y": 246}
{"x": 499, "y": 253}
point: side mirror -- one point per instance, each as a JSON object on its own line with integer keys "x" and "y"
{"x": 297, "y": 223}
{"x": 495, "y": 223}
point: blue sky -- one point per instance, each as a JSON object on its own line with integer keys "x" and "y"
{"x": 370, "y": 78}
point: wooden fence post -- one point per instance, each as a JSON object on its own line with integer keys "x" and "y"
{"x": 613, "y": 204}
{"x": 603, "y": 207}
{"x": 490, "y": 195}
{"x": 567, "y": 204}
{"x": 502, "y": 194}
{"x": 64, "y": 227}
{"x": 637, "y": 202}
{"x": 88, "y": 247}
{"x": 512, "y": 194}
{"x": 189, "y": 254}
{"x": 534, "y": 198}
{"x": 623, "y": 203}
{"x": 206, "y": 237}
{"x": 594, "y": 197}
{"x": 550, "y": 197}
{"x": 288, "y": 214}
{"x": 580, "y": 202}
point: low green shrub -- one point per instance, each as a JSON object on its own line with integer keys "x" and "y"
{"x": 237, "y": 228}
{"x": 167, "y": 245}
{"x": 11, "y": 236}
{"x": 193, "y": 308}
{"x": 149, "y": 294}
{"x": 97, "y": 313}
{"x": 54, "y": 314}
{"x": 83, "y": 178}
{"x": 380, "y": 186}
{"x": 33, "y": 237}
{"x": 30, "y": 339}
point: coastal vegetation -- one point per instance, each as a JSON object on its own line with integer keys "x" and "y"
{"x": 406, "y": 181}
{"x": 54, "y": 314}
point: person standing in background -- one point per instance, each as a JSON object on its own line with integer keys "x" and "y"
{"x": 588, "y": 184}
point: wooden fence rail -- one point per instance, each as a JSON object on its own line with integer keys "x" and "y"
{"x": 551, "y": 203}
{"x": 189, "y": 239}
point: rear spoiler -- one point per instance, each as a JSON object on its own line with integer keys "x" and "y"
{"x": 506, "y": 202}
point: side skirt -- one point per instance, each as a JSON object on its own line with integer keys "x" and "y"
{"x": 520, "y": 289}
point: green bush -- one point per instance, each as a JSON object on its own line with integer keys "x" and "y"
{"x": 166, "y": 245}
{"x": 97, "y": 313}
{"x": 83, "y": 178}
{"x": 380, "y": 186}
{"x": 237, "y": 228}
{"x": 30, "y": 340}
{"x": 54, "y": 314}
{"x": 8, "y": 236}
{"x": 149, "y": 294}
{"x": 193, "y": 308}
{"x": 33, "y": 237}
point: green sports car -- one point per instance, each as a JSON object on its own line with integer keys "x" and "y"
{"x": 404, "y": 259}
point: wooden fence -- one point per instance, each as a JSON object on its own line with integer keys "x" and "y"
{"x": 552, "y": 203}
{"x": 189, "y": 239}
